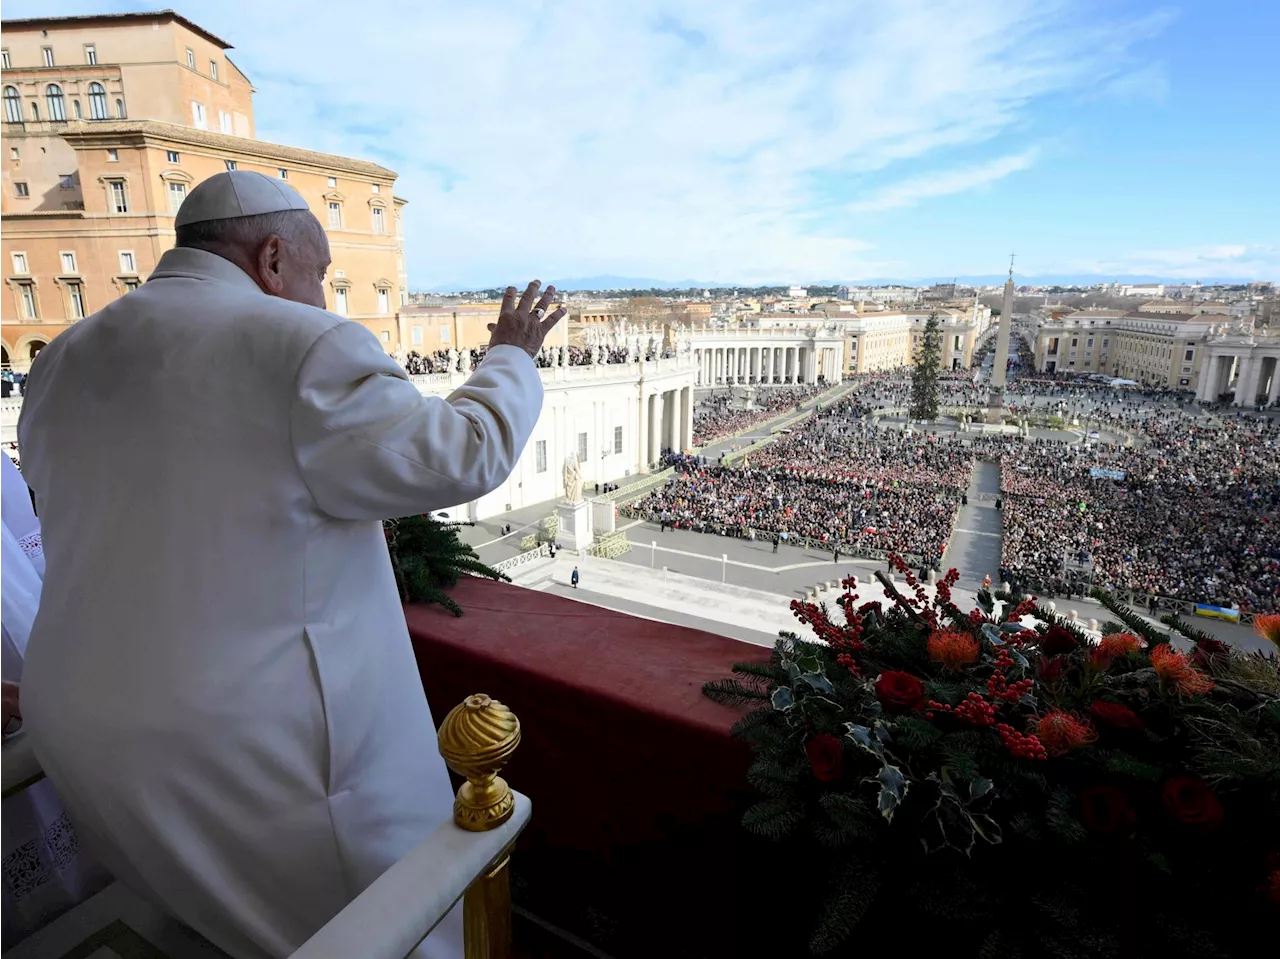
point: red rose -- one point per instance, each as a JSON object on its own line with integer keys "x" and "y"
{"x": 1048, "y": 668}
{"x": 1113, "y": 714}
{"x": 1058, "y": 640}
{"x": 826, "y": 757}
{"x": 899, "y": 692}
{"x": 1104, "y": 809}
{"x": 1209, "y": 652}
{"x": 1191, "y": 801}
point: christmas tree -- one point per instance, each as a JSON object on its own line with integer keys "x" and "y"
{"x": 924, "y": 375}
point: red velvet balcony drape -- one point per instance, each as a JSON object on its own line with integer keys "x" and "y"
{"x": 637, "y": 787}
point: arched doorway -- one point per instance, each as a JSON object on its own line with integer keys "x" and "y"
{"x": 34, "y": 347}
{"x": 4, "y": 356}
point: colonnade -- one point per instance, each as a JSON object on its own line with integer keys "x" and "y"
{"x": 666, "y": 423}
{"x": 766, "y": 365}
{"x": 1255, "y": 369}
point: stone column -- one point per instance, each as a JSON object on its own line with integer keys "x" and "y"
{"x": 686, "y": 418}
{"x": 642, "y": 435}
{"x": 655, "y": 427}
{"x": 1242, "y": 375}
{"x": 1274, "y": 393}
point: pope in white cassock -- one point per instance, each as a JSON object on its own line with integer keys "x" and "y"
{"x": 219, "y": 681}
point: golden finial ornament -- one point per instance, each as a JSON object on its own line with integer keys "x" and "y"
{"x": 476, "y": 740}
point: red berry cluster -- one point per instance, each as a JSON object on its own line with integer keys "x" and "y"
{"x": 1024, "y": 608}
{"x": 942, "y": 595}
{"x": 975, "y": 710}
{"x": 1022, "y": 745}
{"x": 998, "y": 686}
{"x": 976, "y": 617}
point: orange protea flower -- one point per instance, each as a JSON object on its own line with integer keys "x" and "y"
{"x": 1061, "y": 732}
{"x": 952, "y": 648}
{"x": 1113, "y": 646}
{"x": 1176, "y": 671}
{"x": 1268, "y": 627}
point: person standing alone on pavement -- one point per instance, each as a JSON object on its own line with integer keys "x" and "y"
{"x": 574, "y": 578}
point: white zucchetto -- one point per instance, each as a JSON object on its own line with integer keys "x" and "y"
{"x": 237, "y": 193}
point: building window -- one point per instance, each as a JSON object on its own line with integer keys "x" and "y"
{"x": 172, "y": 156}
{"x": 127, "y": 262}
{"x": 131, "y": 285}
{"x": 113, "y": 156}
{"x": 415, "y": 336}
{"x": 197, "y": 115}
{"x": 21, "y": 190}
{"x": 28, "y": 291}
{"x": 191, "y": 58}
{"x": 224, "y": 122}
{"x": 75, "y": 110}
{"x": 177, "y": 193}
{"x": 14, "y": 154}
{"x": 4, "y": 58}
{"x": 385, "y": 336}
{"x": 12, "y": 105}
{"x": 119, "y": 197}
{"x": 120, "y": 109}
{"x": 335, "y": 215}
{"x": 97, "y": 101}
{"x": 90, "y": 54}
{"x": 617, "y": 439}
{"x": 384, "y": 300}
{"x": 333, "y": 181}
{"x": 213, "y": 69}
{"x": 582, "y": 447}
{"x": 445, "y": 333}
{"x": 47, "y": 53}
{"x": 540, "y": 456}
{"x": 1190, "y": 354}
{"x": 75, "y": 292}
{"x": 19, "y": 263}
{"x": 283, "y": 173}
{"x": 340, "y": 300}
{"x": 377, "y": 188}
{"x": 57, "y": 105}
{"x": 1089, "y": 342}
{"x": 68, "y": 262}
{"x": 379, "y": 221}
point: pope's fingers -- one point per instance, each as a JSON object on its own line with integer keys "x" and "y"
{"x": 526, "y": 298}
{"x": 492, "y": 327}
{"x": 508, "y": 299}
{"x": 552, "y": 320}
{"x": 547, "y": 296}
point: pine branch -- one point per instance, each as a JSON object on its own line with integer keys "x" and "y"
{"x": 731, "y": 692}
{"x": 1126, "y": 615}
{"x": 856, "y": 885}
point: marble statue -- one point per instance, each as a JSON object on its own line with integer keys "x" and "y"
{"x": 597, "y": 356}
{"x": 453, "y": 359}
{"x": 572, "y": 479}
{"x": 563, "y": 358}
{"x": 466, "y": 361}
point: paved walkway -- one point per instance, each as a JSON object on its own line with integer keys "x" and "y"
{"x": 976, "y": 540}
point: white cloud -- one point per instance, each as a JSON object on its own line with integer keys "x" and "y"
{"x": 945, "y": 183}
{"x": 654, "y": 137}
{"x": 1219, "y": 261}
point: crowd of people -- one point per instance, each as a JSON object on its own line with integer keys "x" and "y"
{"x": 1191, "y": 513}
{"x": 718, "y": 417}
{"x": 451, "y": 360}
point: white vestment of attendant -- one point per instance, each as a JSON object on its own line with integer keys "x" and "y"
{"x": 220, "y": 681}
{"x": 44, "y": 868}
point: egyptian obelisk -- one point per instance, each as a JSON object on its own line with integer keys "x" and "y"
{"x": 995, "y": 396}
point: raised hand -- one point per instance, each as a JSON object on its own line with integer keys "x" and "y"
{"x": 525, "y": 324}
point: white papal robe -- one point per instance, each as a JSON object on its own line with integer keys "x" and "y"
{"x": 220, "y": 682}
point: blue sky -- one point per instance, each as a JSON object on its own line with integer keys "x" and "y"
{"x": 786, "y": 140}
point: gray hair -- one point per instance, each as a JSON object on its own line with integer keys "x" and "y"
{"x": 248, "y": 232}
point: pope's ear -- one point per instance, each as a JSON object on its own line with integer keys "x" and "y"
{"x": 270, "y": 265}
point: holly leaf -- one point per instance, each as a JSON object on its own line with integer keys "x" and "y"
{"x": 883, "y": 731}
{"x": 893, "y": 789}
{"x": 782, "y": 698}
{"x": 1019, "y": 658}
{"x": 1012, "y": 627}
{"x": 979, "y": 787}
{"x": 987, "y": 828}
{"x": 862, "y": 736}
{"x": 985, "y": 601}
{"x": 818, "y": 682}
{"x": 809, "y": 663}
{"x": 992, "y": 634}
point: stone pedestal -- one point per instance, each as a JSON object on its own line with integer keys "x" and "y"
{"x": 575, "y": 525}
{"x": 603, "y": 516}
{"x": 995, "y": 407}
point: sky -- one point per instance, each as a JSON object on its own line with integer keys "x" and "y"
{"x": 784, "y": 141}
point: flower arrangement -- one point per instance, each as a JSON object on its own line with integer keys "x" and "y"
{"x": 998, "y": 779}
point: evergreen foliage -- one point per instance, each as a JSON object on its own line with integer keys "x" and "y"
{"x": 974, "y": 782}
{"x": 924, "y": 372}
{"x": 428, "y": 557}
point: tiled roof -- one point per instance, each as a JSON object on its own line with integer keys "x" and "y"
{"x": 117, "y": 18}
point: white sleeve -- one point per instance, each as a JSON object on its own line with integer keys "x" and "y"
{"x": 370, "y": 446}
